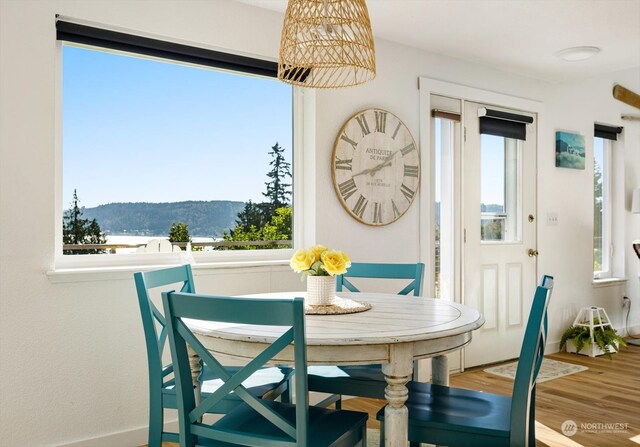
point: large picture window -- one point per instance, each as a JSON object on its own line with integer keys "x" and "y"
{"x": 161, "y": 154}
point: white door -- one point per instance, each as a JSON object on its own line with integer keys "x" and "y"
{"x": 500, "y": 220}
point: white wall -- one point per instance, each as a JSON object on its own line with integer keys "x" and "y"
{"x": 565, "y": 250}
{"x": 71, "y": 353}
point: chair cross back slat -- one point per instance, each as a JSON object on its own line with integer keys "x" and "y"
{"x": 414, "y": 272}
{"x": 225, "y": 309}
{"x": 233, "y": 382}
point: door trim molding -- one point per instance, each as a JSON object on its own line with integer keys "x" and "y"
{"x": 426, "y": 231}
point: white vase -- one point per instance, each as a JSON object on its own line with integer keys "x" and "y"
{"x": 321, "y": 290}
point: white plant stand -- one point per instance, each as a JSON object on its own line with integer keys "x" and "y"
{"x": 586, "y": 318}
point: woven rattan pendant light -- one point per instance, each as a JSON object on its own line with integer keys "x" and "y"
{"x": 326, "y": 44}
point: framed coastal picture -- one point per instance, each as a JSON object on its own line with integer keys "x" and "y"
{"x": 569, "y": 150}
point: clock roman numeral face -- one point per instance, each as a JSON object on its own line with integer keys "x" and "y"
{"x": 375, "y": 167}
{"x": 347, "y": 188}
{"x": 377, "y": 213}
{"x": 381, "y": 121}
{"x": 360, "y": 206}
{"x": 411, "y": 171}
{"x": 362, "y": 120}
{"x": 345, "y": 164}
{"x": 407, "y": 192}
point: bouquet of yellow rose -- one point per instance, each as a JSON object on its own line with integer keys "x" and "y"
{"x": 319, "y": 261}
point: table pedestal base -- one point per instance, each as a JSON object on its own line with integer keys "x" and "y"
{"x": 396, "y": 415}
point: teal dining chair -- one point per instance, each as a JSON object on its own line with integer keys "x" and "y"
{"x": 255, "y": 422}
{"x": 362, "y": 380}
{"x": 458, "y": 417}
{"x": 268, "y": 384}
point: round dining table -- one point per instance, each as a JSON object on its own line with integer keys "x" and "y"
{"x": 394, "y": 332}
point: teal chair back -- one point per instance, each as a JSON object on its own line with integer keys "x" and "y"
{"x": 287, "y": 313}
{"x": 413, "y": 272}
{"x": 155, "y": 335}
{"x": 529, "y": 362}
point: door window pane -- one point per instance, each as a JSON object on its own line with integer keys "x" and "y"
{"x": 499, "y": 189}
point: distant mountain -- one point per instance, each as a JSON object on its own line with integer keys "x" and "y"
{"x": 205, "y": 219}
{"x": 491, "y": 208}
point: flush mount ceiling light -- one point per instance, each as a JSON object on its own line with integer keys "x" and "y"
{"x": 575, "y": 54}
{"x": 326, "y": 44}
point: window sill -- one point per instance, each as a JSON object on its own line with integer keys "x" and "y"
{"x": 67, "y": 275}
{"x": 607, "y": 282}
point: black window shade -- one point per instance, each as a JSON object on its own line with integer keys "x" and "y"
{"x": 88, "y": 35}
{"x": 606, "y": 132}
{"x": 504, "y": 124}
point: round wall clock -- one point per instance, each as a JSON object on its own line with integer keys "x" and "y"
{"x": 375, "y": 167}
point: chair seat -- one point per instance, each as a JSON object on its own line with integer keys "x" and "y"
{"x": 258, "y": 384}
{"x": 326, "y": 427}
{"x": 361, "y": 380}
{"x": 474, "y": 413}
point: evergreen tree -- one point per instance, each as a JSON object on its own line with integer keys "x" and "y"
{"x": 267, "y": 221}
{"x": 253, "y": 214}
{"x": 179, "y": 232}
{"x": 278, "y": 191}
{"x": 76, "y": 230}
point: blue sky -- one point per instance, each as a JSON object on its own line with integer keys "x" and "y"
{"x": 139, "y": 130}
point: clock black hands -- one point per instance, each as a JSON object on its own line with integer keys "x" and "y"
{"x": 386, "y": 162}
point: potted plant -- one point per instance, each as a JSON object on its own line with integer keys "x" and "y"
{"x": 320, "y": 265}
{"x": 605, "y": 339}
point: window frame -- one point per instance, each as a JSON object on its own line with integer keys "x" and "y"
{"x": 302, "y": 116}
{"x": 606, "y": 271}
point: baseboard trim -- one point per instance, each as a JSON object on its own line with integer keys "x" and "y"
{"x": 135, "y": 437}
{"x": 130, "y": 438}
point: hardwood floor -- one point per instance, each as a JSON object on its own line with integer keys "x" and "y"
{"x": 607, "y": 393}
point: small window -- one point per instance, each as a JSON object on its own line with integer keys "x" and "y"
{"x": 602, "y": 208}
{"x": 444, "y": 133}
{"x": 156, "y": 149}
{"x": 500, "y": 189}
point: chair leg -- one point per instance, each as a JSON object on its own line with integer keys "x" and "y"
{"x": 339, "y": 402}
{"x": 532, "y": 418}
{"x": 156, "y": 421}
{"x": 287, "y": 396}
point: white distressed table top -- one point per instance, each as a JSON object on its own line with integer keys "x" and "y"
{"x": 392, "y": 319}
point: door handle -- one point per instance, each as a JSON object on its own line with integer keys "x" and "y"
{"x": 532, "y": 253}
